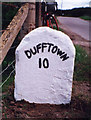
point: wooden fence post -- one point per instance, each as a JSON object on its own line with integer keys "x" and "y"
{"x": 12, "y": 30}
{"x": 26, "y": 13}
{"x": 29, "y": 23}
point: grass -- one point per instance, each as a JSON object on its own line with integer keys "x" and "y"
{"x": 8, "y": 60}
{"x": 8, "y": 83}
{"x": 54, "y": 27}
{"x": 7, "y": 73}
{"x": 86, "y": 17}
{"x": 82, "y": 65}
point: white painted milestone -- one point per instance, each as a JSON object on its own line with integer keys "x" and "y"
{"x": 44, "y": 67}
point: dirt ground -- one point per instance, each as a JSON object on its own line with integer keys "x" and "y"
{"x": 78, "y": 108}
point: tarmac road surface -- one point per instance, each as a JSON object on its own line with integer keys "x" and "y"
{"x": 76, "y": 25}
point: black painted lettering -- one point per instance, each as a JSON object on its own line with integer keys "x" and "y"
{"x": 59, "y": 52}
{"x": 38, "y": 47}
{"x": 65, "y": 57}
{"x": 28, "y": 53}
{"x": 40, "y": 63}
{"x": 54, "y": 49}
{"x": 44, "y": 45}
{"x": 49, "y": 48}
{"x": 34, "y": 51}
{"x": 45, "y": 63}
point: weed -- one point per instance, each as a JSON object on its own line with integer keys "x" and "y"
{"x": 80, "y": 96}
{"x": 54, "y": 27}
{"x": 4, "y": 96}
{"x": 82, "y": 65}
{"x": 5, "y": 115}
{"x": 7, "y": 84}
{"x": 73, "y": 90}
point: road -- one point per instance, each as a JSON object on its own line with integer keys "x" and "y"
{"x": 76, "y": 25}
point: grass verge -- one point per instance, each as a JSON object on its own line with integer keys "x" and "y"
{"x": 82, "y": 69}
{"x": 86, "y": 17}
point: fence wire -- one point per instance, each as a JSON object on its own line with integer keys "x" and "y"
{"x": 7, "y": 78}
{"x": 9, "y": 65}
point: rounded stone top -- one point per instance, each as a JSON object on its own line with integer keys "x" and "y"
{"x": 47, "y": 34}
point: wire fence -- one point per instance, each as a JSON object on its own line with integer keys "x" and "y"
{"x": 7, "y": 78}
{"x": 8, "y": 68}
{"x": 7, "y": 71}
{"x": 10, "y": 74}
